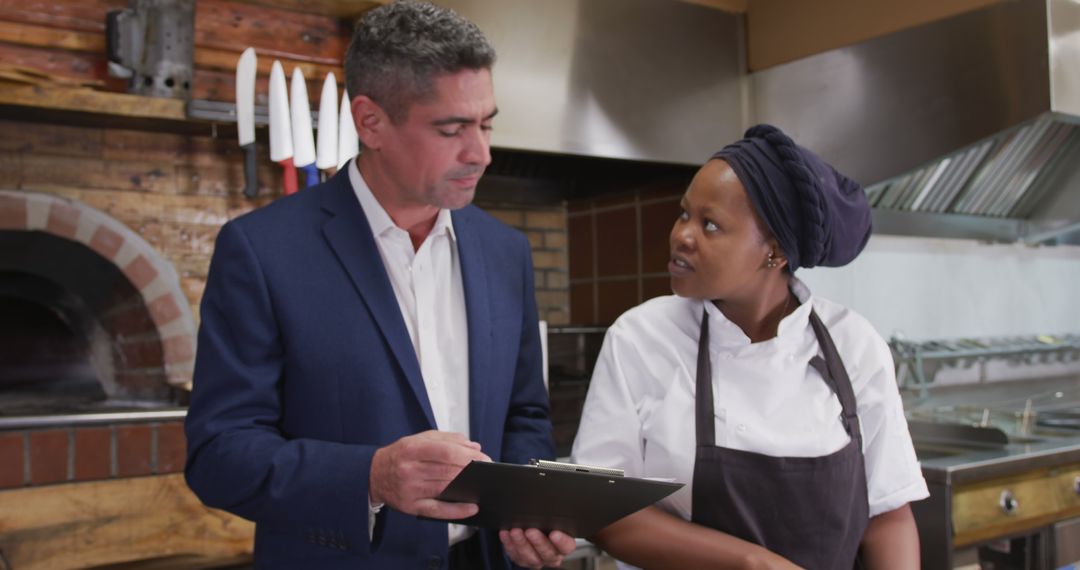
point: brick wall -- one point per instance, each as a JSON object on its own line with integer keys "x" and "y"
{"x": 89, "y": 453}
{"x": 176, "y": 191}
{"x": 619, "y": 250}
{"x": 545, "y": 226}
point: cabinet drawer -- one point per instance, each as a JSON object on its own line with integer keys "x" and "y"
{"x": 1006, "y": 506}
{"x": 1068, "y": 488}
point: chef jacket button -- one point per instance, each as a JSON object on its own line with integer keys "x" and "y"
{"x": 741, "y": 428}
{"x": 434, "y": 562}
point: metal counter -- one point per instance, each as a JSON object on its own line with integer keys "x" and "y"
{"x": 1016, "y": 489}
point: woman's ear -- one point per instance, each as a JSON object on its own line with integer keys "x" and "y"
{"x": 370, "y": 121}
{"x": 775, "y": 257}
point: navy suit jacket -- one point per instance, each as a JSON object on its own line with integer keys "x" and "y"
{"x": 305, "y": 367}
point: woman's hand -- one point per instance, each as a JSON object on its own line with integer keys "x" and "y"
{"x": 532, "y": 549}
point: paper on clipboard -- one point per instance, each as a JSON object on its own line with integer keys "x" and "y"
{"x": 525, "y": 496}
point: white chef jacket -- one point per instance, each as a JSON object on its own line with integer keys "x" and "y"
{"x": 430, "y": 294}
{"x": 639, "y": 412}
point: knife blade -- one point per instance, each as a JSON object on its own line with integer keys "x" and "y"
{"x": 348, "y": 142}
{"x": 326, "y": 145}
{"x": 245, "y": 118}
{"x": 303, "y": 138}
{"x": 281, "y": 143}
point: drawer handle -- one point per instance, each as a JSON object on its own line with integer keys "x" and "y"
{"x": 1076, "y": 485}
{"x": 1008, "y": 503}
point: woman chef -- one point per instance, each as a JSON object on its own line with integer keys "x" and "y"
{"x": 777, "y": 408}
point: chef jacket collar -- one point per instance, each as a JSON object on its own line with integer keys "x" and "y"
{"x": 726, "y": 336}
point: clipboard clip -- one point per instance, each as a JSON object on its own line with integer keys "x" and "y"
{"x": 560, "y": 466}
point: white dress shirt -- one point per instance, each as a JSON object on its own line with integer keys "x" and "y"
{"x": 639, "y": 412}
{"x": 431, "y": 296}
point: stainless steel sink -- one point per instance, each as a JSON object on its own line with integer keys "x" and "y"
{"x": 944, "y": 439}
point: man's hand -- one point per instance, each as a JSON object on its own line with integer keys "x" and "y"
{"x": 409, "y": 473}
{"x": 531, "y": 549}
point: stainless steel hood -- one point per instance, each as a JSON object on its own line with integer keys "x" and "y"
{"x": 644, "y": 80}
{"x": 966, "y": 127}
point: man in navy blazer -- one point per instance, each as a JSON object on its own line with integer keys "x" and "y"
{"x": 310, "y": 410}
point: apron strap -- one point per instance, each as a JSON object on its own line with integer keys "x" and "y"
{"x": 706, "y": 420}
{"x": 833, "y": 370}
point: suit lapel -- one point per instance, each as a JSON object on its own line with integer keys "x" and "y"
{"x": 478, "y": 308}
{"x": 349, "y": 235}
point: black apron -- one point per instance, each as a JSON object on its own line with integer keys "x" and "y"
{"x": 810, "y": 510}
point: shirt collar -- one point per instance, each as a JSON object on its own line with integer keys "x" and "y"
{"x": 381, "y": 223}
{"x": 791, "y": 327}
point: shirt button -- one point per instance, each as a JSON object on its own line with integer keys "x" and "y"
{"x": 434, "y": 562}
{"x": 741, "y": 428}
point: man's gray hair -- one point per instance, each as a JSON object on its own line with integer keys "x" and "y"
{"x": 398, "y": 49}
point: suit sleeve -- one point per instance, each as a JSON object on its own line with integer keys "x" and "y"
{"x": 527, "y": 433}
{"x": 238, "y": 458}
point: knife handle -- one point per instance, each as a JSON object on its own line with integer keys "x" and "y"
{"x": 312, "y": 175}
{"x": 251, "y": 179}
{"x": 289, "y": 174}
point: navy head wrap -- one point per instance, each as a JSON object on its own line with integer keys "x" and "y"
{"x": 818, "y": 216}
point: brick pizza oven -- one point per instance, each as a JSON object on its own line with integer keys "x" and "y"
{"x": 95, "y": 328}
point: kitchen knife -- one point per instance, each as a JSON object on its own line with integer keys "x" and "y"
{"x": 326, "y": 147}
{"x": 348, "y": 142}
{"x": 245, "y": 118}
{"x": 303, "y": 138}
{"x": 281, "y": 143}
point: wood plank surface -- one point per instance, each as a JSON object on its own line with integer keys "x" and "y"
{"x": 304, "y": 37}
{"x": 90, "y": 101}
{"x": 69, "y": 65}
{"x": 49, "y": 37}
{"x": 82, "y": 15}
{"x": 347, "y": 9}
{"x": 79, "y": 525}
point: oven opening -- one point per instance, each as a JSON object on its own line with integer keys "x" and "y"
{"x": 76, "y": 336}
{"x": 46, "y": 348}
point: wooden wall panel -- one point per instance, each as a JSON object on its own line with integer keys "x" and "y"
{"x": 303, "y": 37}
{"x": 65, "y": 39}
{"x": 80, "y": 15}
{"x": 780, "y": 31}
{"x": 79, "y": 66}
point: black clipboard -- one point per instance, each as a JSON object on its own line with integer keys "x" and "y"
{"x": 526, "y": 496}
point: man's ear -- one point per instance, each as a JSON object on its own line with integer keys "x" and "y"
{"x": 370, "y": 120}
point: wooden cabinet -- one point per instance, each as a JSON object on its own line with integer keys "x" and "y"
{"x": 1014, "y": 505}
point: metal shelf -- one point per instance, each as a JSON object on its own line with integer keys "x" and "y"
{"x": 912, "y": 357}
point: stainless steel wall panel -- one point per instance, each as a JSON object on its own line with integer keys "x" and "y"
{"x": 648, "y": 80}
{"x": 1064, "y": 46}
{"x": 885, "y": 106}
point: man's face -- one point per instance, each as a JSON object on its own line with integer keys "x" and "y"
{"x": 436, "y": 155}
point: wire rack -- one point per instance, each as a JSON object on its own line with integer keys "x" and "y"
{"x": 918, "y": 362}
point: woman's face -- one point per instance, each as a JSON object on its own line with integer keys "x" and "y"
{"x": 719, "y": 246}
